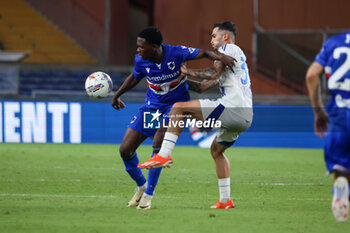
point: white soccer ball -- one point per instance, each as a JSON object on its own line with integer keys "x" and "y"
{"x": 98, "y": 85}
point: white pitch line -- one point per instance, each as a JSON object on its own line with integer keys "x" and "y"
{"x": 283, "y": 184}
{"x": 309, "y": 199}
{"x": 39, "y": 195}
{"x": 56, "y": 195}
{"x": 48, "y": 180}
{"x": 176, "y": 181}
{"x": 60, "y": 167}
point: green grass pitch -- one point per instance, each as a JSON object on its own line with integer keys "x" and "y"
{"x": 84, "y": 188}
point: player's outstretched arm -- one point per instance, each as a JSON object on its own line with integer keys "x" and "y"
{"x": 314, "y": 87}
{"x": 215, "y": 55}
{"x": 200, "y": 86}
{"x": 213, "y": 72}
{"x": 128, "y": 84}
{"x": 203, "y": 79}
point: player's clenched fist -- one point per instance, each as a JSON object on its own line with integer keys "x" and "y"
{"x": 117, "y": 103}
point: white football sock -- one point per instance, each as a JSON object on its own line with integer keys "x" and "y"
{"x": 224, "y": 189}
{"x": 143, "y": 187}
{"x": 168, "y": 144}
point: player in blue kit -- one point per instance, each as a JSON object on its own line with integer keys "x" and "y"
{"x": 334, "y": 61}
{"x": 160, "y": 64}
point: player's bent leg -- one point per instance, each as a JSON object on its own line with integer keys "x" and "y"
{"x": 132, "y": 139}
{"x": 181, "y": 109}
{"x": 158, "y": 137}
{"x": 178, "y": 113}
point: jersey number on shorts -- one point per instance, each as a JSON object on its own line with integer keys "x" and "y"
{"x": 333, "y": 81}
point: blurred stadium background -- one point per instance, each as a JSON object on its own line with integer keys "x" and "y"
{"x": 48, "y": 48}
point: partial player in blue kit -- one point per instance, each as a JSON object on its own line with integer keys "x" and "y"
{"x": 334, "y": 61}
{"x": 160, "y": 64}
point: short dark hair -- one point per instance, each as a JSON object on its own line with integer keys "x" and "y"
{"x": 227, "y": 26}
{"x": 152, "y": 35}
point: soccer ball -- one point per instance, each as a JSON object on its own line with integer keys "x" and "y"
{"x": 98, "y": 85}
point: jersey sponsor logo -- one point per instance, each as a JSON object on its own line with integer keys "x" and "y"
{"x": 164, "y": 76}
{"x": 171, "y": 65}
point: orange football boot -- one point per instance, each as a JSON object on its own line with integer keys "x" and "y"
{"x": 156, "y": 161}
{"x": 228, "y": 205}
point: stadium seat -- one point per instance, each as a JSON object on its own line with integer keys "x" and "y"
{"x": 23, "y": 29}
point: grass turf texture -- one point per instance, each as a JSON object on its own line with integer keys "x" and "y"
{"x": 84, "y": 188}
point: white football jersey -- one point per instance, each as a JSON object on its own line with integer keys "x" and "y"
{"x": 235, "y": 86}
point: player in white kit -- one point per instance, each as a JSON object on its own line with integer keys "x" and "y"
{"x": 233, "y": 109}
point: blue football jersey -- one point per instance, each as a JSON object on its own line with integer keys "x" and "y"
{"x": 165, "y": 87}
{"x": 335, "y": 58}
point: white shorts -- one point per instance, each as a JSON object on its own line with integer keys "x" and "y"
{"x": 234, "y": 120}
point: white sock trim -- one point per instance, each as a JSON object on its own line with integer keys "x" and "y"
{"x": 224, "y": 189}
{"x": 171, "y": 137}
{"x": 168, "y": 144}
{"x": 224, "y": 181}
{"x": 143, "y": 187}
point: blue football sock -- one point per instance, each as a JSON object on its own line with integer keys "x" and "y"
{"x": 135, "y": 172}
{"x": 153, "y": 176}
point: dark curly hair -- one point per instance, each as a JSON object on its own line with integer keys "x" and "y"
{"x": 152, "y": 35}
